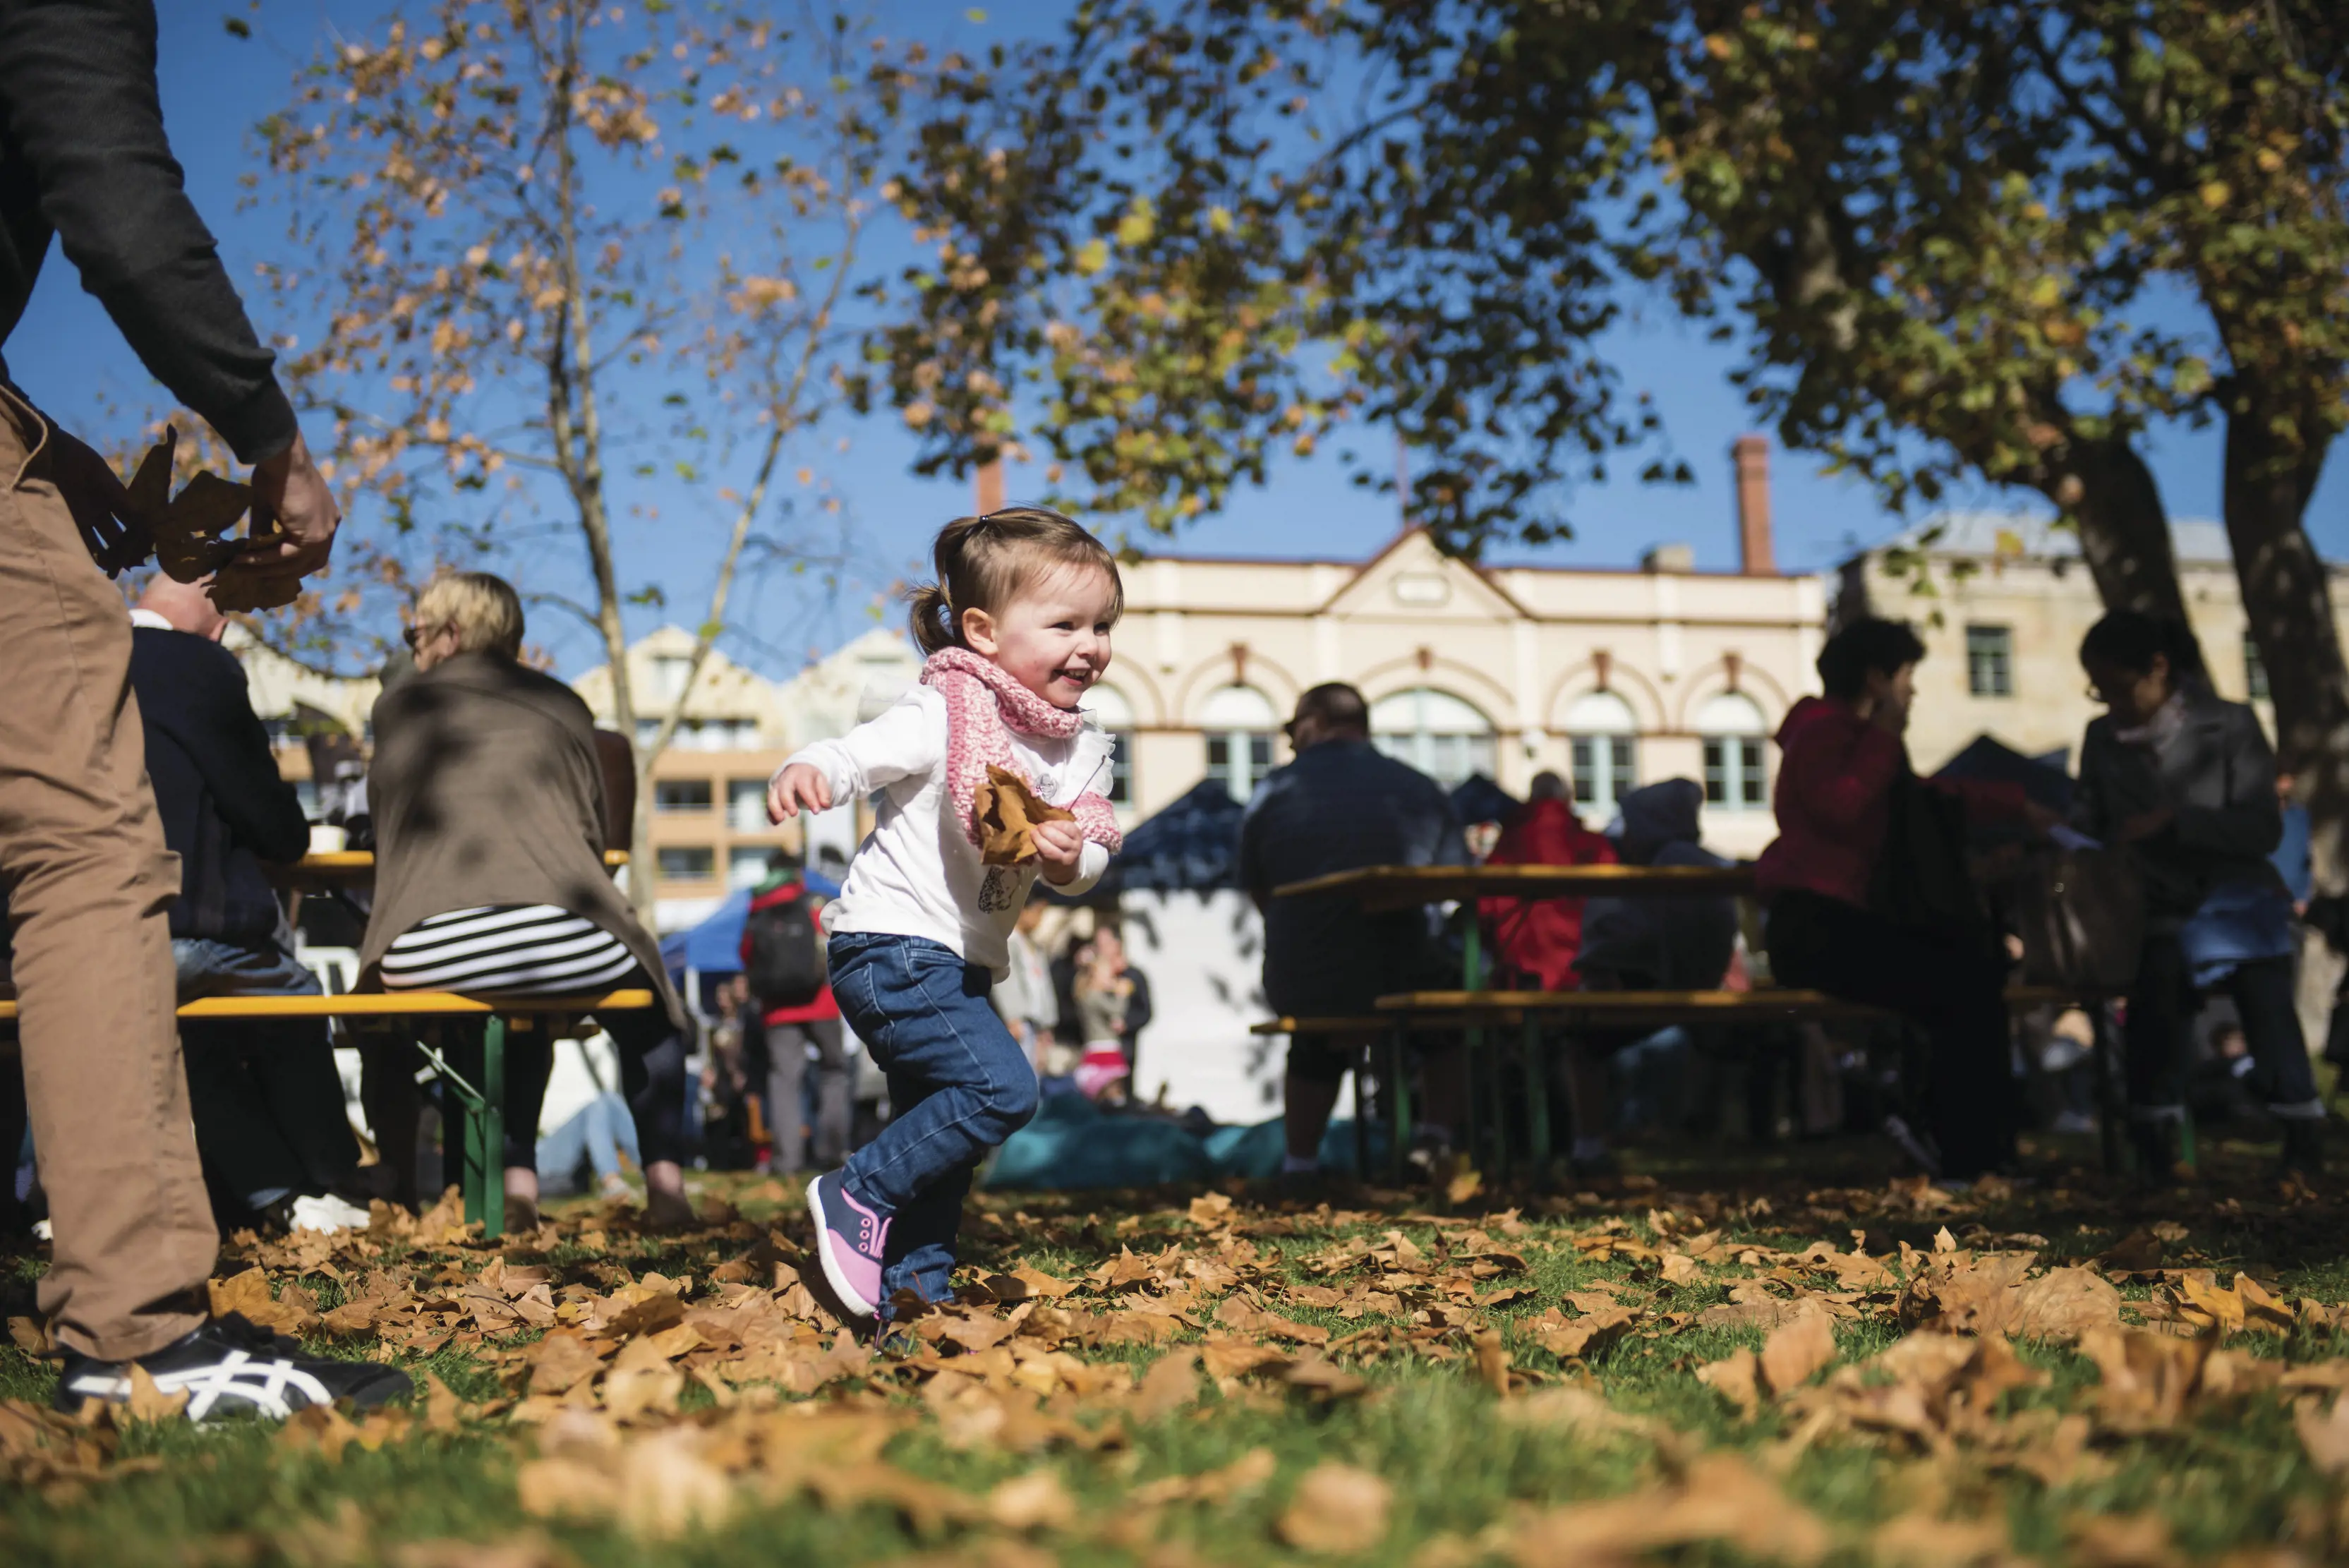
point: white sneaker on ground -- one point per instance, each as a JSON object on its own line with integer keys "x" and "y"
{"x": 325, "y": 1212}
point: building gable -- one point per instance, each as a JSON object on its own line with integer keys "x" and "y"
{"x": 1410, "y": 579}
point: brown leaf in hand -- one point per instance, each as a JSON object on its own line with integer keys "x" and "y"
{"x": 191, "y": 532}
{"x": 1337, "y": 1509}
{"x": 243, "y": 592}
{"x": 1008, "y": 812}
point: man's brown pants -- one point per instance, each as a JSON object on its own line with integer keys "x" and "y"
{"x": 89, "y": 887}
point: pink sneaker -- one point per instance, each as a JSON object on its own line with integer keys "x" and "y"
{"x": 849, "y": 1239}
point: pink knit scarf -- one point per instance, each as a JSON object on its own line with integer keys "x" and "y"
{"x": 983, "y": 704}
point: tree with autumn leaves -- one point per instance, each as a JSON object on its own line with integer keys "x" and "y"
{"x": 538, "y": 242}
{"x": 1178, "y": 237}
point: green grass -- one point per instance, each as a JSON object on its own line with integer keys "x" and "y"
{"x": 2232, "y": 1478}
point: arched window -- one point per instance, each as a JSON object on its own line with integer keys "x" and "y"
{"x": 1601, "y": 738}
{"x": 1733, "y": 732}
{"x": 1443, "y": 737}
{"x": 1240, "y": 722}
{"x": 1114, "y": 714}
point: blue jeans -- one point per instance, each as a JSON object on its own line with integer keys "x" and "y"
{"x": 599, "y": 1133}
{"x": 959, "y": 1086}
{"x": 208, "y": 967}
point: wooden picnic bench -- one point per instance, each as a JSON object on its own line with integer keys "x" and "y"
{"x": 1535, "y": 1010}
{"x": 483, "y": 1105}
{"x": 1474, "y": 1010}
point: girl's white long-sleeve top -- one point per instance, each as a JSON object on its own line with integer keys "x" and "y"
{"x": 917, "y": 874}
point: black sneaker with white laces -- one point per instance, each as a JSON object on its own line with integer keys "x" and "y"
{"x": 234, "y": 1366}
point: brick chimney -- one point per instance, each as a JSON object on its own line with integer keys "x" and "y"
{"x": 1754, "y": 556}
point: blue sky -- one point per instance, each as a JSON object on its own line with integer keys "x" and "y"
{"x": 214, "y": 87}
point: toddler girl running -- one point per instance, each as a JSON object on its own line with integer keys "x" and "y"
{"x": 1015, "y": 629}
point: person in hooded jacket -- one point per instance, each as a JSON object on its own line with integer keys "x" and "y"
{"x": 2185, "y": 781}
{"x": 1842, "y": 760}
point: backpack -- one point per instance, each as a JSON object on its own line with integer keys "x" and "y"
{"x": 786, "y": 952}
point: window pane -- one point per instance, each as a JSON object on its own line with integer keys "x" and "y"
{"x": 1989, "y": 660}
{"x": 746, "y": 806}
{"x": 680, "y": 863}
{"x": 1586, "y": 775}
{"x": 1749, "y": 765}
{"x": 681, "y": 794}
{"x": 1716, "y": 775}
{"x": 1619, "y": 769}
{"x": 745, "y": 867}
{"x": 1121, "y": 769}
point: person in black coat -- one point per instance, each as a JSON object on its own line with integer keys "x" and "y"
{"x": 268, "y": 1104}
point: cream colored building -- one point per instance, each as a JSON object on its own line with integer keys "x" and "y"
{"x": 709, "y": 828}
{"x": 2001, "y": 601}
{"x": 291, "y": 698}
{"x": 1612, "y": 678}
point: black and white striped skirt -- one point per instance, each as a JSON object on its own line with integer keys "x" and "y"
{"x": 515, "y": 950}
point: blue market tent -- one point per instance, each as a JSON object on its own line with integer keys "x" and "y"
{"x": 715, "y": 946}
{"x": 1479, "y": 799}
{"x": 2043, "y": 779}
{"x": 1192, "y": 845}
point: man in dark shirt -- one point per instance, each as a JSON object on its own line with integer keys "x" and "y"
{"x": 90, "y": 883}
{"x": 1338, "y": 805}
{"x": 268, "y": 1104}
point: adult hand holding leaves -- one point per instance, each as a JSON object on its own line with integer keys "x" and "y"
{"x": 294, "y": 521}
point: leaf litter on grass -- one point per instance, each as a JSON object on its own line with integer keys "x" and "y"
{"x": 672, "y": 1384}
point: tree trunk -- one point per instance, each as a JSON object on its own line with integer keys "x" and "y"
{"x": 2123, "y": 527}
{"x": 2288, "y": 600}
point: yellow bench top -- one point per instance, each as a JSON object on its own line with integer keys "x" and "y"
{"x": 399, "y": 1004}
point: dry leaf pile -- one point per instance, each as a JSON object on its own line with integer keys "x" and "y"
{"x": 663, "y": 1400}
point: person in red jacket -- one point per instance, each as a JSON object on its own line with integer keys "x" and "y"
{"x": 1540, "y": 938}
{"x": 1842, "y": 760}
{"x": 792, "y": 1028}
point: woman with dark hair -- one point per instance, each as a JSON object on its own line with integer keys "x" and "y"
{"x": 1843, "y": 914}
{"x": 2185, "y": 780}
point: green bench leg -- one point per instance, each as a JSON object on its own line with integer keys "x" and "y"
{"x": 485, "y": 1137}
{"x": 1537, "y": 1100}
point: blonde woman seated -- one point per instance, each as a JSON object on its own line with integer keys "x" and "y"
{"x": 490, "y": 879}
